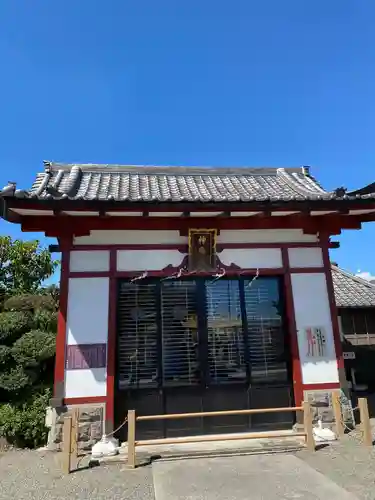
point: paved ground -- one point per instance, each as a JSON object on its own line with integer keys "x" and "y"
{"x": 348, "y": 463}
{"x": 271, "y": 477}
{"x": 345, "y": 471}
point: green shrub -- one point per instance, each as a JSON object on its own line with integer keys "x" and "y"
{"x": 14, "y": 379}
{"x": 28, "y": 324}
{"x": 4, "y": 355}
{"x": 45, "y": 321}
{"x": 13, "y": 324}
{"x": 34, "y": 347}
{"x": 23, "y": 425}
{"x": 29, "y": 302}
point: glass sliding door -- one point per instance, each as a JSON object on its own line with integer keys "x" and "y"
{"x": 192, "y": 345}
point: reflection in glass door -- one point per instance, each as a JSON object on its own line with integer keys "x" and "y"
{"x": 246, "y": 338}
{"x": 266, "y": 336}
{"x": 226, "y": 350}
{"x": 179, "y": 331}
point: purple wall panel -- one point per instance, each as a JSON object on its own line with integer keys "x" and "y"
{"x": 83, "y": 356}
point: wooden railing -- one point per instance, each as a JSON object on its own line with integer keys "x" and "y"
{"x": 70, "y": 431}
{"x": 307, "y": 433}
{"x": 364, "y": 419}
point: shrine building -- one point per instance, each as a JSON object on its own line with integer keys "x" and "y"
{"x": 191, "y": 289}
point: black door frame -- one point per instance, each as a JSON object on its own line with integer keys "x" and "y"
{"x": 160, "y": 395}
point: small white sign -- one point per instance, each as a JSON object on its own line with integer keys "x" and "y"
{"x": 348, "y": 355}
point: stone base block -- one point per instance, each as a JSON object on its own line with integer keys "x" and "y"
{"x": 90, "y": 425}
{"x": 321, "y": 404}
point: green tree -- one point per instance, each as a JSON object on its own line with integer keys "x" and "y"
{"x": 24, "y": 266}
{"x": 28, "y": 325}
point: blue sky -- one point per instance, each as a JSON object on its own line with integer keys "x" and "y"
{"x": 266, "y": 83}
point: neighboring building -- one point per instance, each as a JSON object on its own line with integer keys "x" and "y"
{"x": 355, "y": 301}
{"x": 190, "y": 289}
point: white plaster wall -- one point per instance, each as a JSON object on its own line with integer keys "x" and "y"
{"x": 252, "y": 258}
{"x": 123, "y": 237}
{"x": 151, "y": 260}
{"x": 305, "y": 257}
{"x": 311, "y": 307}
{"x": 86, "y": 383}
{"x": 89, "y": 261}
{"x": 87, "y": 317}
{"x": 127, "y": 237}
{"x": 265, "y": 236}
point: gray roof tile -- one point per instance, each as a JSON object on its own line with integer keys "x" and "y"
{"x": 174, "y": 184}
{"x": 180, "y": 184}
{"x": 91, "y": 182}
{"x": 352, "y": 291}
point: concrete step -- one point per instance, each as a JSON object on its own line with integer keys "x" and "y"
{"x": 289, "y": 443}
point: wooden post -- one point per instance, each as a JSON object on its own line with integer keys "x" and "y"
{"x": 365, "y": 421}
{"x": 67, "y": 435}
{"x": 131, "y": 439}
{"x": 340, "y": 431}
{"x": 308, "y": 425}
{"x": 74, "y": 440}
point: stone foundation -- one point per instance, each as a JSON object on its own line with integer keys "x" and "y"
{"x": 321, "y": 404}
{"x": 90, "y": 425}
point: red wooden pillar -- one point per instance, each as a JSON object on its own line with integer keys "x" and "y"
{"x": 293, "y": 334}
{"x": 325, "y": 241}
{"x": 111, "y": 343}
{"x": 59, "y": 382}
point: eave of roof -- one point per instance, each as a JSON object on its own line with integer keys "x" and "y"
{"x": 180, "y": 185}
{"x": 352, "y": 291}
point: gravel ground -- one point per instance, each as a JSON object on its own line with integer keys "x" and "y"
{"x": 33, "y": 475}
{"x": 348, "y": 463}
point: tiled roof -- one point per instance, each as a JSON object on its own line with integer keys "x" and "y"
{"x": 352, "y": 291}
{"x": 180, "y": 184}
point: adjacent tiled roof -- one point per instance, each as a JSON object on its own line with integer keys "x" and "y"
{"x": 352, "y": 291}
{"x": 180, "y": 184}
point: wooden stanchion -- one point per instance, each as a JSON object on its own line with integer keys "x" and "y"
{"x": 365, "y": 421}
{"x": 308, "y": 424}
{"x": 67, "y": 435}
{"x": 340, "y": 431}
{"x": 70, "y": 445}
{"x": 74, "y": 440}
{"x": 131, "y": 439}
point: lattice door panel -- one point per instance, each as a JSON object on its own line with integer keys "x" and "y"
{"x": 266, "y": 340}
{"x": 179, "y": 325}
{"x": 137, "y": 335}
{"x": 226, "y": 354}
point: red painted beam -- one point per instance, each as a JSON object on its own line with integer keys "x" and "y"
{"x": 83, "y": 225}
{"x": 328, "y": 386}
{"x": 85, "y": 400}
{"x": 184, "y": 248}
{"x": 305, "y": 206}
